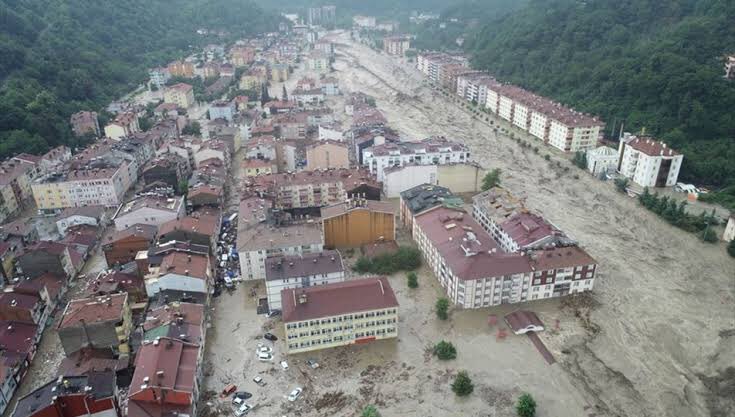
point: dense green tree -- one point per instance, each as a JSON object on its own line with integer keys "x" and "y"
{"x": 442, "y": 308}
{"x": 491, "y": 179}
{"x": 462, "y": 385}
{"x": 406, "y": 258}
{"x": 526, "y": 406}
{"x": 192, "y": 128}
{"x": 412, "y": 280}
{"x": 370, "y": 411}
{"x": 445, "y": 350}
{"x": 62, "y": 57}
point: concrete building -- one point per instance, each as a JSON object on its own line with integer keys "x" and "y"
{"x": 422, "y": 197}
{"x": 99, "y": 322}
{"x": 178, "y": 271}
{"x": 730, "y": 67}
{"x": 321, "y": 16}
{"x": 331, "y": 131}
{"x": 122, "y": 246}
{"x": 254, "y": 167}
{"x": 476, "y": 273}
{"x": 648, "y": 162}
{"x": 166, "y": 379}
{"x": 301, "y": 271}
{"x": 124, "y": 124}
{"x": 158, "y": 77}
{"x": 74, "y": 216}
{"x": 179, "y": 94}
{"x": 279, "y": 73}
{"x": 311, "y": 97}
{"x": 242, "y": 56}
{"x": 458, "y": 178}
{"x": 317, "y": 61}
{"x": 92, "y": 395}
{"x": 363, "y": 21}
{"x": 430, "y": 151}
{"x": 46, "y": 257}
{"x": 198, "y": 228}
{"x": 358, "y": 222}
{"x": 150, "y": 210}
{"x": 341, "y": 314}
{"x": 326, "y": 155}
{"x": 85, "y": 122}
{"x": 330, "y": 86}
{"x": 183, "y": 69}
{"x": 263, "y": 234}
{"x": 222, "y": 109}
{"x": 396, "y": 45}
{"x": 602, "y": 160}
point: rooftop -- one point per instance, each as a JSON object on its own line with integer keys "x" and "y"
{"x": 428, "y": 145}
{"x": 146, "y": 231}
{"x": 155, "y": 202}
{"x": 424, "y": 196}
{"x": 202, "y": 224}
{"x": 337, "y": 299}
{"x": 183, "y": 87}
{"x": 83, "y": 211}
{"x": 279, "y": 268}
{"x": 94, "y": 309}
{"x": 651, "y": 147}
{"x": 181, "y": 263}
{"x": 101, "y": 385}
{"x": 498, "y": 204}
{"x": 526, "y": 228}
{"x": 165, "y": 364}
{"x": 353, "y": 205}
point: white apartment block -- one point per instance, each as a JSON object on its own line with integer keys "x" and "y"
{"x": 570, "y": 136}
{"x": 539, "y": 125}
{"x": 430, "y": 151}
{"x": 648, "y": 162}
{"x": 82, "y": 187}
{"x": 505, "y": 108}
{"x": 521, "y": 116}
{"x": 290, "y": 272}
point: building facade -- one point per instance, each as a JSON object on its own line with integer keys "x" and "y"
{"x": 358, "y": 222}
{"x": 301, "y": 271}
{"x": 648, "y": 162}
{"x": 430, "y": 151}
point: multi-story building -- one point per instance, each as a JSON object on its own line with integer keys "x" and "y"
{"x": 198, "y": 228}
{"x": 433, "y": 64}
{"x": 312, "y": 189}
{"x": 150, "y": 210}
{"x": 322, "y": 16}
{"x": 420, "y": 198}
{"x": 222, "y": 109}
{"x": 166, "y": 379}
{"x": 16, "y": 176}
{"x": 299, "y": 271}
{"x": 158, "y": 77}
{"x": 44, "y": 257}
{"x": 183, "y": 69}
{"x": 178, "y": 271}
{"x": 459, "y": 178}
{"x": 396, "y": 45}
{"x": 125, "y": 124}
{"x": 430, "y": 151}
{"x": 317, "y": 61}
{"x": 730, "y": 67}
{"x": 327, "y": 154}
{"x": 179, "y": 94}
{"x": 93, "y": 394}
{"x": 340, "y": 314}
{"x": 279, "y": 73}
{"x": 73, "y": 216}
{"x": 85, "y": 122}
{"x": 241, "y": 56}
{"x": 99, "y": 322}
{"x": 169, "y": 169}
{"x": 93, "y": 185}
{"x": 476, "y": 273}
{"x": 263, "y": 233}
{"x": 364, "y": 21}
{"x": 648, "y": 162}
{"x": 602, "y": 160}
{"x": 358, "y": 222}
{"x": 729, "y": 233}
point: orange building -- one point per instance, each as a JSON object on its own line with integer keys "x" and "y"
{"x": 181, "y": 69}
{"x": 358, "y": 222}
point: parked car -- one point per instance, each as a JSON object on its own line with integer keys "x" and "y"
{"x": 295, "y": 394}
{"x": 265, "y": 357}
{"x": 273, "y": 313}
{"x": 312, "y": 363}
{"x": 284, "y": 365}
{"x": 242, "y": 410}
{"x": 270, "y": 336}
{"x": 241, "y": 395}
{"x": 228, "y": 282}
{"x": 259, "y": 380}
{"x": 264, "y": 349}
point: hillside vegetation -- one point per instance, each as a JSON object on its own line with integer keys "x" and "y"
{"x": 651, "y": 64}
{"x": 63, "y": 56}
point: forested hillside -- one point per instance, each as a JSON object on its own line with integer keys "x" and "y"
{"x": 654, "y": 64}
{"x": 62, "y": 56}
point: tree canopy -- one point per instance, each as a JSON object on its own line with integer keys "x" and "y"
{"x": 62, "y": 57}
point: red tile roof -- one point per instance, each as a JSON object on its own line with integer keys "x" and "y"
{"x": 651, "y": 147}
{"x": 527, "y": 228}
{"x": 202, "y": 224}
{"x": 337, "y": 299}
{"x": 180, "y": 263}
{"x": 168, "y": 364}
{"x": 96, "y": 309}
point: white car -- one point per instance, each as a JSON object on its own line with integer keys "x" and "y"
{"x": 259, "y": 380}
{"x": 242, "y": 410}
{"x": 265, "y": 357}
{"x": 264, "y": 349}
{"x": 295, "y": 394}
{"x": 284, "y": 365}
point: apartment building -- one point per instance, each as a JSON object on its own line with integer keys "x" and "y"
{"x": 16, "y": 177}
{"x": 648, "y": 162}
{"x": 321, "y": 16}
{"x": 122, "y": 246}
{"x": 301, "y": 271}
{"x": 396, "y": 45}
{"x": 459, "y": 178}
{"x": 317, "y": 61}
{"x": 93, "y": 185}
{"x": 222, "y": 109}
{"x": 158, "y": 77}
{"x": 312, "y": 189}
{"x": 181, "y": 69}
{"x": 473, "y": 86}
{"x": 99, "y": 323}
{"x": 263, "y": 233}
{"x": 340, "y": 314}
{"x": 93, "y": 394}
{"x": 85, "y": 122}
{"x": 422, "y": 197}
{"x": 124, "y": 124}
{"x": 179, "y": 94}
{"x": 151, "y": 210}
{"x": 327, "y": 154}
{"x": 241, "y": 56}
{"x": 178, "y": 271}
{"x": 433, "y": 65}
{"x": 602, "y": 160}
{"x": 475, "y": 272}
{"x": 430, "y": 151}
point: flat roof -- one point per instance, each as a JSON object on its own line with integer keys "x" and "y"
{"x": 340, "y": 298}
{"x": 355, "y": 205}
{"x": 295, "y": 266}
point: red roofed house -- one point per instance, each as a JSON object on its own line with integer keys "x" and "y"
{"x": 200, "y": 229}
{"x": 181, "y": 272}
{"x": 122, "y": 246}
{"x": 166, "y": 379}
{"x": 99, "y": 322}
{"x": 317, "y": 317}
{"x": 91, "y": 395}
{"x": 46, "y": 257}
{"x": 27, "y": 308}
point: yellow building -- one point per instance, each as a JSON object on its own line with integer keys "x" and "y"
{"x": 180, "y": 94}
{"x": 340, "y": 314}
{"x": 358, "y": 222}
{"x": 279, "y": 73}
{"x": 82, "y": 187}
